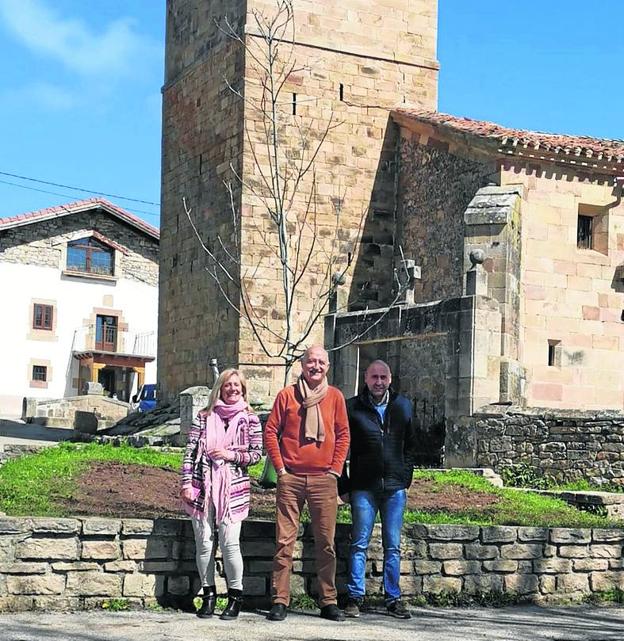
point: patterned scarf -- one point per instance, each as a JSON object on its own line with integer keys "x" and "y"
{"x": 216, "y": 436}
{"x": 314, "y": 426}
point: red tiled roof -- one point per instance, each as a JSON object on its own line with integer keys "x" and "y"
{"x": 506, "y": 139}
{"x": 80, "y": 206}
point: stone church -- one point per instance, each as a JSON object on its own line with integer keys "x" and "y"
{"x": 515, "y": 239}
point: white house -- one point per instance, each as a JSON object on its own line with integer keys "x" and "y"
{"x": 79, "y": 292}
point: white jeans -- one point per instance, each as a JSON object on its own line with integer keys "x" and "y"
{"x": 205, "y": 548}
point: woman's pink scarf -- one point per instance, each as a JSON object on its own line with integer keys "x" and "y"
{"x": 217, "y": 483}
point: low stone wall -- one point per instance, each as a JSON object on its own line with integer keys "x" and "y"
{"x": 79, "y": 563}
{"x": 563, "y": 445}
{"x": 61, "y": 412}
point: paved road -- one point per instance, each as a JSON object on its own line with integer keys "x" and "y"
{"x": 13, "y": 431}
{"x": 526, "y": 623}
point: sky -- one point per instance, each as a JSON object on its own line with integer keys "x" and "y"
{"x": 80, "y": 101}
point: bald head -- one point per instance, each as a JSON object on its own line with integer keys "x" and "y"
{"x": 314, "y": 365}
{"x": 378, "y": 378}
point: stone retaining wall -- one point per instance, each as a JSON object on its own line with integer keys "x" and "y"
{"x": 79, "y": 563}
{"x": 565, "y": 446}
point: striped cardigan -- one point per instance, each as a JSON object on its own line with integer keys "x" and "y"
{"x": 195, "y": 467}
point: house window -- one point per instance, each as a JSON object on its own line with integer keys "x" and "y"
{"x": 90, "y": 256}
{"x": 554, "y": 353}
{"x": 584, "y": 232}
{"x": 39, "y": 373}
{"x": 43, "y": 316}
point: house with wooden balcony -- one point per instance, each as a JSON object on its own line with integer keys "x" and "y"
{"x": 79, "y": 285}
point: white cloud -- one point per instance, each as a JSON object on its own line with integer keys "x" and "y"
{"x": 71, "y": 41}
{"x": 40, "y": 94}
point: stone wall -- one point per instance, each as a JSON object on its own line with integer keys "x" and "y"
{"x": 444, "y": 355}
{"x": 435, "y": 188}
{"x": 44, "y": 244}
{"x": 566, "y": 446}
{"x": 61, "y": 412}
{"x": 79, "y": 563}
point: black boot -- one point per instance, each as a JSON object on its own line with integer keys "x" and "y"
{"x": 235, "y": 601}
{"x": 209, "y": 600}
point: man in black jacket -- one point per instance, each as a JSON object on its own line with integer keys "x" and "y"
{"x": 380, "y": 471}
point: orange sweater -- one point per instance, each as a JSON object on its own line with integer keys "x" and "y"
{"x": 284, "y": 438}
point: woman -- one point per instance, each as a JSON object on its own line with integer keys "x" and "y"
{"x": 225, "y": 439}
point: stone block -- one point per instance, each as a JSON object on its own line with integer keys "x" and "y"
{"x": 94, "y": 584}
{"x": 142, "y": 585}
{"x": 436, "y": 584}
{"x": 459, "y": 568}
{"x": 552, "y": 566}
{"x": 427, "y": 567}
{"x": 158, "y": 566}
{"x": 55, "y": 603}
{"x": 528, "y": 534}
{"x": 522, "y": 551}
{"x": 604, "y": 551}
{"x": 266, "y": 549}
{"x": 259, "y": 566}
{"x": 146, "y": 548}
{"x": 499, "y": 534}
{"x": 452, "y": 533}
{"x": 101, "y": 527}
{"x": 548, "y": 584}
{"x": 62, "y": 549}
{"x": 179, "y": 585}
{"x": 500, "y": 565}
{"x": 76, "y": 566}
{"x": 38, "y": 584}
{"x": 100, "y": 550}
{"x": 602, "y": 581}
{"x": 570, "y": 536}
{"x": 607, "y": 536}
{"x": 521, "y": 583}
{"x": 121, "y": 566}
{"x": 443, "y": 551}
{"x": 481, "y": 552}
{"x": 573, "y": 583}
{"x": 255, "y": 585}
{"x": 16, "y": 603}
{"x": 132, "y": 527}
{"x": 23, "y": 568}
{"x": 55, "y": 526}
{"x": 410, "y": 585}
{"x": 481, "y": 583}
{"x": 574, "y": 551}
{"x": 590, "y": 565}
{"x": 14, "y": 525}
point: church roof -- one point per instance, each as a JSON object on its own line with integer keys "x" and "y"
{"x": 77, "y": 207}
{"x": 507, "y": 140}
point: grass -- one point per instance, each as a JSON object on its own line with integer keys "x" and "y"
{"x": 512, "y": 508}
{"x": 29, "y": 484}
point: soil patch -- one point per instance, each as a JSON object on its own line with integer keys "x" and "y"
{"x": 137, "y": 491}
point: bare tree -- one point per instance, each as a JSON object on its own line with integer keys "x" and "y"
{"x": 283, "y": 186}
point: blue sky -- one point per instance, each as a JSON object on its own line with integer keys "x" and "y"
{"x": 81, "y": 79}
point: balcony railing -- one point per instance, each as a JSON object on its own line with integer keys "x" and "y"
{"x": 114, "y": 340}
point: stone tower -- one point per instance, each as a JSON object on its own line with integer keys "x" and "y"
{"x": 356, "y": 60}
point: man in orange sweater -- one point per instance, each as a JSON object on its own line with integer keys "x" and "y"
{"x": 307, "y": 440}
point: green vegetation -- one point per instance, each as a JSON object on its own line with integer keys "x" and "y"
{"x": 513, "y": 507}
{"x": 37, "y": 484}
{"x": 116, "y": 604}
{"x": 614, "y": 595}
{"x": 302, "y": 601}
{"x": 29, "y": 484}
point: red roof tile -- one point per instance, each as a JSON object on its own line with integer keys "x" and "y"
{"x": 79, "y": 206}
{"x": 506, "y": 138}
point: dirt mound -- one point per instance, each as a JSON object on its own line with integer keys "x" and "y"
{"x": 137, "y": 491}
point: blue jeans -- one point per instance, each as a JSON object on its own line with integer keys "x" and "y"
{"x": 364, "y": 508}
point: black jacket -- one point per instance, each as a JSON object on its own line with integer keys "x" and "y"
{"x": 382, "y": 456}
